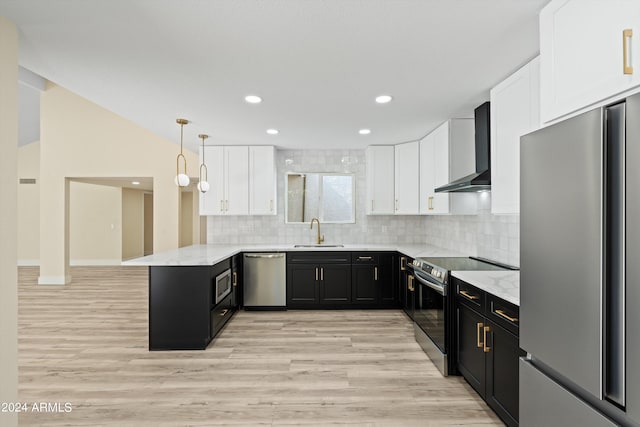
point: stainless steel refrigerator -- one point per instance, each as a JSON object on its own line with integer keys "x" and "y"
{"x": 580, "y": 270}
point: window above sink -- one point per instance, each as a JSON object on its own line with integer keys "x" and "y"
{"x": 329, "y": 196}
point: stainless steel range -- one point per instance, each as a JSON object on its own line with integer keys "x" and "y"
{"x": 433, "y": 307}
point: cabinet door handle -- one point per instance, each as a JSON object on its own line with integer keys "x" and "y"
{"x": 321, "y": 273}
{"x": 626, "y": 36}
{"x": 235, "y": 278}
{"x": 485, "y": 347}
{"x": 316, "y": 274}
{"x": 410, "y": 286}
{"x": 375, "y": 273}
{"x": 504, "y": 315}
{"x": 396, "y": 204}
{"x": 479, "y": 343}
{"x": 431, "y": 203}
{"x": 469, "y": 296}
{"x": 221, "y": 205}
{"x": 365, "y": 258}
{"x": 403, "y": 263}
{"x": 224, "y": 312}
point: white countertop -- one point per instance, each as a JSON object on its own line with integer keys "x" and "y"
{"x": 503, "y": 284}
{"x": 211, "y": 254}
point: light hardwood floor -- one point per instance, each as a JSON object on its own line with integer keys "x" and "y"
{"x": 86, "y": 344}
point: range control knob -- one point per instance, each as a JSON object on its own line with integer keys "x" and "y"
{"x": 438, "y": 274}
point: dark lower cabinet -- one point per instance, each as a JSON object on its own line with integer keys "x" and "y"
{"x": 471, "y": 363}
{"x": 372, "y": 279}
{"x": 302, "y": 285}
{"x": 335, "y": 284}
{"x": 487, "y": 348}
{"x": 406, "y": 288}
{"x": 318, "y": 279}
{"x": 183, "y": 313}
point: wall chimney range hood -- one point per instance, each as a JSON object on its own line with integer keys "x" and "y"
{"x": 480, "y": 180}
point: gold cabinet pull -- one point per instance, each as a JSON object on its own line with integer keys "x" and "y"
{"x": 504, "y": 315}
{"x": 486, "y": 348}
{"x": 431, "y": 203}
{"x": 403, "y": 263}
{"x": 235, "y": 278}
{"x": 411, "y": 288}
{"x": 365, "y": 258}
{"x": 321, "y": 273}
{"x": 479, "y": 343}
{"x": 468, "y": 295}
{"x": 224, "y": 312}
{"x": 375, "y": 273}
{"x": 316, "y": 274}
{"x": 626, "y": 36}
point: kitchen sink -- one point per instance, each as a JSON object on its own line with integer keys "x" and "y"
{"x": 318, "y": 246}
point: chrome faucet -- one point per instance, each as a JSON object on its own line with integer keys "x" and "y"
{"x": 320, "y": 238}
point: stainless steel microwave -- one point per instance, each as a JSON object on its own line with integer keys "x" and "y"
{"x": 223, "y": 286}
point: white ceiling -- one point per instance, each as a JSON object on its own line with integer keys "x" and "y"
{"x": 318, "y": 64}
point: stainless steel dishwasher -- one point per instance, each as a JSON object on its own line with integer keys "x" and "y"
{"x": 264, "y": 281}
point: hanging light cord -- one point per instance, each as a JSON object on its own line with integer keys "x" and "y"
{"x": 203, "y": 165}
{"x": 181, "y": 122}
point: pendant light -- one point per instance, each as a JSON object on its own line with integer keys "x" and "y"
{"x": 181, "y": 179}
{"x": 203, "y": 185}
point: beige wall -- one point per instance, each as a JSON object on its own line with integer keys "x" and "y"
{"x": 29, "y": 205}
{"x": 148, "y": 223}
{"x": 95, "y": 224}
{"x": 186, "y": 219}
{"x": 8, "y": 218}
{"x": 82, "y": 139}
{"x": 132, "y": 223}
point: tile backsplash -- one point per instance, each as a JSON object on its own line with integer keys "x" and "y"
{"x": 486, "y": 235}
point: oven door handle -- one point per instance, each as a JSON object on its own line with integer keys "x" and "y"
{"x": 441, "y": 289}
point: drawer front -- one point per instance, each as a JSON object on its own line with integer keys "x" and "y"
{"x": 503, "y": 313}
{"x": 220, "y": 314}
{"x": 365, "y": 258}
{"x": 469, "y": 295}
{"x": 319, "y": 257}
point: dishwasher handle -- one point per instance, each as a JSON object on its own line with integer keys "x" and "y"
{"x": 264, "y": 255}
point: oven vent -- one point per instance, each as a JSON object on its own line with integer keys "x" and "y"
{"x": 27, "y": 180}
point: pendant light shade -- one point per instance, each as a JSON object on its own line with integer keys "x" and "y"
{"x": 203, "y": 184}
{"x": 181, "y": 179}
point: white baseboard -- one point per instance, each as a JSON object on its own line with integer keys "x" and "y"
{"x": 54, "y": 280}
{"x": 28, "y": 262}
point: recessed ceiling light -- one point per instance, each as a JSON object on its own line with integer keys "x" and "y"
{"x": 364, "y": 131}
{"x": 383, "y": 99}
{"x": 273, "y": 131}
{"x": 253, "y": 99}
{"x": 135, "y": 182}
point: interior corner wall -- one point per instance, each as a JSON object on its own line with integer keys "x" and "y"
{"x": 95, "y": 224}
{"x": 82, "y": 139}
{"x": 29, "y": 205}
{"x": 132, "y": 223}
{"x": 8, "y": 219}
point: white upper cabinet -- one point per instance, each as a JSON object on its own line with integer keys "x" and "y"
{"x": 262, "y": 180}
{"x": 237, "y": 176}
{"x": 589, "y": 52}
{"x": 451, "y": 143}
{"x": 242, "y": 181}
{"x": 407, "y": 178}
{"x": 434, "y": 171}
{"x": 380, "y": 179}
{"x": 515, "y": 111}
